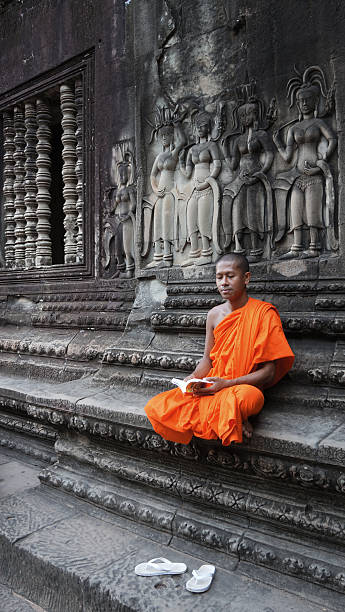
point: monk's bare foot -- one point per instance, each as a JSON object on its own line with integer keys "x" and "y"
{"x": 247, "y": 429}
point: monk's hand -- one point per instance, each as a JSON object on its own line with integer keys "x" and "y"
{"x": 189, "y": 377}
{"x": 218, "y": 385}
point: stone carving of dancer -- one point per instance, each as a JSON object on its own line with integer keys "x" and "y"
{"x": 305, "y": 182}
{"x": 247, "y": 200}
{"x": 120, "y": 221}
{"x": 162, "y": 203}
{"x": 203, "y": 204}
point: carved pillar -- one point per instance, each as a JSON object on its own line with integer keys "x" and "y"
{"x": 19, "y": 188}
{"x": 79, "y": 170}
{"x": 30, "y": 184}
{"x": 9, "y": 222}
{"x": 69, "y": 141}
{"x": 43, "y": 180}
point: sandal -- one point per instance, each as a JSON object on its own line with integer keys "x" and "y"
{"x": 202, "y": 579}
{"x": 159, "y": 567}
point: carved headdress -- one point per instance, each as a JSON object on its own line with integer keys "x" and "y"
{"x": 246, "y": 94}
{"x": 122, "y": 155}
{"x": 312, "y": 79}
{"x": 199, "y": 117}
{"x": 164, "y": 116}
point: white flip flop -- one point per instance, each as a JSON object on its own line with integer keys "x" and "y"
{"x": 159, "y": 567}
{"x": 202, "y": 579}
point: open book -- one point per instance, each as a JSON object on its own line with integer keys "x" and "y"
{"x": 187, "y": 386}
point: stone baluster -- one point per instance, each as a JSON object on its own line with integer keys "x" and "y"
{"x": 43, "y": 181}
{"x": 30, "y": 184}
{"x": 9, "y": 176}
{"x": 79, "y": 170}
{"x": 19, "y": 188}
{"x": 69, "y": 155}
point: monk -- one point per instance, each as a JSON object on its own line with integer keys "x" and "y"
{"x": 245, "y": 353}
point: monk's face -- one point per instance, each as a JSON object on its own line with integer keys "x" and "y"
{"x": 231, "y": 280}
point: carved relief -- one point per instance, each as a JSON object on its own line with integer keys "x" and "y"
{"x": 256, "y": 212}
{"x": 13, "y": 443}
{"x": 184, "y": 206}
{"x": 302, "y": 323}
{"x": 162, "y": 218}
{"x": 305, "y": 196}
{"x": 247, "y": 206}
{"x": 151, "y": 360}
{"x": 119, "y": 218}
{"x": 202, "y": 208}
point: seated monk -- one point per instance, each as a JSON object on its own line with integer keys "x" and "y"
{"x": 245, "y": 352}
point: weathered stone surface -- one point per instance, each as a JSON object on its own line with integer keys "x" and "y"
{"x": 298, "y": 427}
{"x": 169, "y": 593}
{"x": 23, "y": 514}
{"x": 22, "y": 477}
{"x": 25, "y": 444}
{"x": 96, "y": 561}
{"x": 92, "y": 555}
{"x": 11, "y": 602}
{"x": 335, "y": 440}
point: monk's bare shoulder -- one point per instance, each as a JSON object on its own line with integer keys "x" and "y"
{"x": 215, "y": 315}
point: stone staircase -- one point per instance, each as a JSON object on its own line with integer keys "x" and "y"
{"x": 60, "y": 553}
{"x": 73, "y": 399}
{"x": 274, "y": 505}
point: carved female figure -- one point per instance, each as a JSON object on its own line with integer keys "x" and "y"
{"x": 202, "y": 206}
{"x": 305, "y": 181}
{"x": 162, "y": 202}
{"x": 247, "y": 200}
{"x": 120, "y": 223}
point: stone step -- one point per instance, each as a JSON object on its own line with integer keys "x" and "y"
{"x": 279, "y": 534}
{"x": 83, "y": 405}
{"x": 287, "y": 483}
{"x": 12, "y": 602}
{"x": 64, "y": 554}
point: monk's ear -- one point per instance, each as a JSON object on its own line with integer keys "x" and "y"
{"x": 246, "y": 277}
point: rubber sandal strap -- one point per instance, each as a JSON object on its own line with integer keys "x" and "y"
{"x": 162, "y": 564}
{"x": 158, "y": 561}
{"x": 202, "y": 576}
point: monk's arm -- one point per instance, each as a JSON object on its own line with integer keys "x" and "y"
{"x": 261, "y": 378}
{"x": 205, "y": 364}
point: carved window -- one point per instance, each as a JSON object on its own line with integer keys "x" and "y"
{"x": 43, "y": 160}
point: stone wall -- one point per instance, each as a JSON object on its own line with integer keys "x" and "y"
{"x": 188, "y": 129}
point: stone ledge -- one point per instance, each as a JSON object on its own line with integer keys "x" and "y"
{"x": 86, "y": 344}
{"x": 11, "y": 602}
{"x": 313, "y": 434}
{"x": 329, "y": 324}
{"x": 26, "y": 445}
{"x": 118, "y": 483}
{"x": 92, "y": 555}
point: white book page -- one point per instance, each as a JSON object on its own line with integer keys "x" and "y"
{"x": 184, "y": 384}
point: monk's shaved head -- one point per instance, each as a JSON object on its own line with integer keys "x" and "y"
{"x": 239, "y": 260}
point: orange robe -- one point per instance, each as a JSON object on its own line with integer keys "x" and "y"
{"x": 245, "y": 338}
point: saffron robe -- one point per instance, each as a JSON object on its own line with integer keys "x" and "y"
{"x": 245, "y": 338}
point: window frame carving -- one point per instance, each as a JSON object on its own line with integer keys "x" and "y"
{"x": 80, "y": 67}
